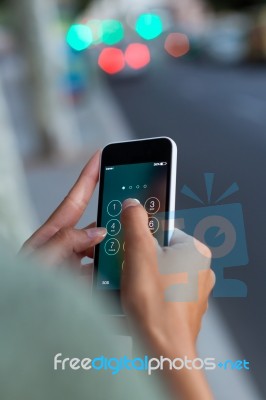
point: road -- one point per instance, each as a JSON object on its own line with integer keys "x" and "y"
{"x": 217, "y": 117}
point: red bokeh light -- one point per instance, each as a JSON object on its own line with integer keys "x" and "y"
{"x": 137, "y": 55}
{"x": 177, "y": 44}
{"x": 111, "y": 60}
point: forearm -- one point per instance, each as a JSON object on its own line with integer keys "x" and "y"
{"x": 186, "y": 382}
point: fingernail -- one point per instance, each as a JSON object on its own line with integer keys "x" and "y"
{"x": 130, "y": 203}
{"x": 96, "y": 232}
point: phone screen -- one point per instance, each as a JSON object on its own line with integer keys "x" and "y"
{"x": 146, "y": 182}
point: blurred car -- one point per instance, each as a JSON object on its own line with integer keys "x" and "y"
{"x": 226, "y": 39}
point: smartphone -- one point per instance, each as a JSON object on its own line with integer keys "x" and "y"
{"x": 142, "y": 169}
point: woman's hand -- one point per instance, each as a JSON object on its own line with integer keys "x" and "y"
{"x": 165, "y": 293}
{"x": 57, "y": 240}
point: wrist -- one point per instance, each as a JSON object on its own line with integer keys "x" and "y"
{"x": 185, "y": 381}
{"x": 172, "y": 345}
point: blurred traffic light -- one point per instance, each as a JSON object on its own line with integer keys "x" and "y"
{"x": 79, "y": 37}
{"x": 137, "y": 55}
{"x": 112, "y": 31}
{"x": 149, "y": 26}
{"x": 111, "y": 60}
{"x": 176, "y": 44}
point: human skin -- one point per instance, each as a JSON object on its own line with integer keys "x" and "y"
{"x": 169, "y": 328}
{"x": 57, "y": 240}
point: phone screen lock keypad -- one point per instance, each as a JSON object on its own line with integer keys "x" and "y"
{"x": 113, "y": 226}
{"x": 143, "y": 182}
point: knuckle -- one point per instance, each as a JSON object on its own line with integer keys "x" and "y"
{"x": 209, "y": 281}
{"x": 79, "y": 205}
{"x": 64, "y": 234}
{"x": 203, "y": 249}
{"x": 212, "y": 278}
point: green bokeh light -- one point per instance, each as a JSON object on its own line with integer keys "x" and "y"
{"x": 112, "y": 31}
{"x": 79, "y": 37}
{"x": 149, "y": 26}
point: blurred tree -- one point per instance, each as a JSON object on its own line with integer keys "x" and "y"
{"x": 234, "y": 4}
{"x": 36, "y": 20}
{"x": 44, "y": 45}
{"x": 76, "y": 5}
{"x": 16, "y": 212}
{"x": 80, "y": 5}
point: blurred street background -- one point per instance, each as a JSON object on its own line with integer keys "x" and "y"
{"x": 77, "y": 74}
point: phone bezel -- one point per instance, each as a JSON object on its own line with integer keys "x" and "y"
{"x": 132, "y": 152}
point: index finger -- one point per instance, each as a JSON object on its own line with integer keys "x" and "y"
{"x": 73, "y": 206}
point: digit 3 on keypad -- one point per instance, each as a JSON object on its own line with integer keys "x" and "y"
{"x": 152, "y": 206}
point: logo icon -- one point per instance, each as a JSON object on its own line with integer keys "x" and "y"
{"x": 221, "y": 228}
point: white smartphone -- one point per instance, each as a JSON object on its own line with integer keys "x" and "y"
{"x": 143, "y": 169}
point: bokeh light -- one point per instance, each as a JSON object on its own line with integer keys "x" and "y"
{"x": 137, "y": 55}
{"x": 95, "y": 26}
{"x": 111, "y": 60}
{"x": 176, "y": 44}
{"x": 112, "y": 31}
{"x": 79, "y": 37}
{"x": 149, "y": 26}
